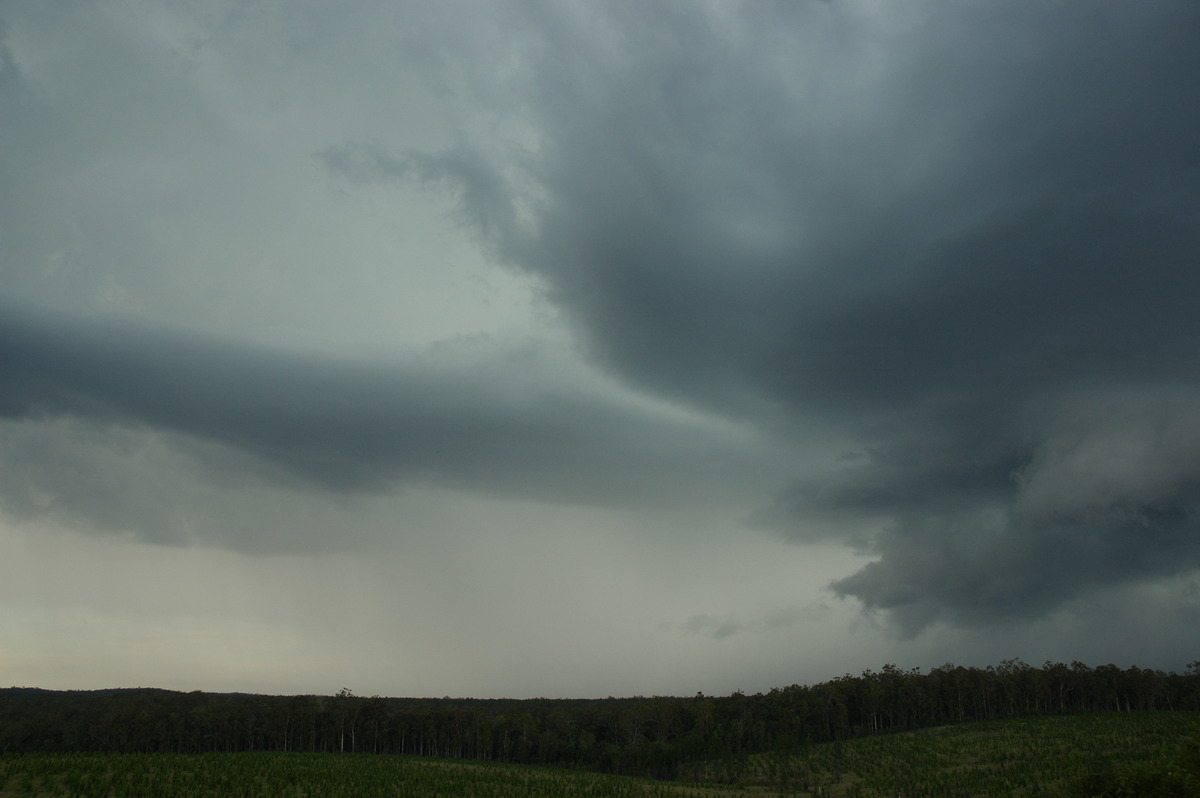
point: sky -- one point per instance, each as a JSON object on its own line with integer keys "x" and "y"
{"x": 576, "y": 349}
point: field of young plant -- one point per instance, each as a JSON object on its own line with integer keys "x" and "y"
{"x": 294, "y": 775}
{"x": 1014, "y": 757}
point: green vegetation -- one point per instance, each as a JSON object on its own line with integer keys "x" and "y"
{"x": 1171, "y": 775}
{"x": 1110, "y": 755}
{"x": 1067, "y": 731}
{"x": 660, "y": 737}
{"x": 1070, "y": 755}
{"x": 281, "y": 775}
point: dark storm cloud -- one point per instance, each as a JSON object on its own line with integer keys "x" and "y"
{"x": 492, "y": 421}
{"x": 945, "y": 229}
{"x": 974, "y": 568}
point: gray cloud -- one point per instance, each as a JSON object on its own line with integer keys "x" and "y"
{"x": 567, "y": 291}
{"x": 923, "y": 235}
{"x": 788, "y": 254}
{"x": 8, "y": 64}
{"x": 512, "y": 421}
{"x": 714, "y": 627}
{"x": 772, "y": 621}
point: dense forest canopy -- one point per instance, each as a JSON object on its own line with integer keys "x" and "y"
{"x": 654, "y": 735}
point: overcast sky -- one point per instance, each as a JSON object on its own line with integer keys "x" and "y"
{"x": 549, "y": 348}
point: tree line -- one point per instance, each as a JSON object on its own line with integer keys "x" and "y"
{"x": 658, "y": 736}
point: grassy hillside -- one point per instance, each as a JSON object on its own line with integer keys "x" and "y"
{"x": 1045, "y": 756}
{"x": 1036, "y": 756}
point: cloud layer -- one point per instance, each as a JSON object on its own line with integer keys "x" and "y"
{"x": 951, "y": 235}
{"x": 912, "y": 279}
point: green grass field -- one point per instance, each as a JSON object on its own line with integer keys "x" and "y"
{"x": 1016, "y": 757}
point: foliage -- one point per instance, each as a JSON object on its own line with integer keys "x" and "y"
{"x": 662, "y": 737}
{"x": 1109, "y": 755}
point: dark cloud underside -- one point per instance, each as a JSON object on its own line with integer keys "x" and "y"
{"x": 507, "y": 423}
{"x": 950, "y": 234}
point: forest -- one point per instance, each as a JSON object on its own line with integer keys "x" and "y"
{"x": 652, "y": 736}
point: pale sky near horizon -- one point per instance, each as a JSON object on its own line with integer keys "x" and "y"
{"x": 549, "y": 348}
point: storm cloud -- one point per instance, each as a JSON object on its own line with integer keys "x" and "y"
{"x": 950, "y": 232}
{"x": 912, "y": 279}
{"x": 466, "y": 414}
